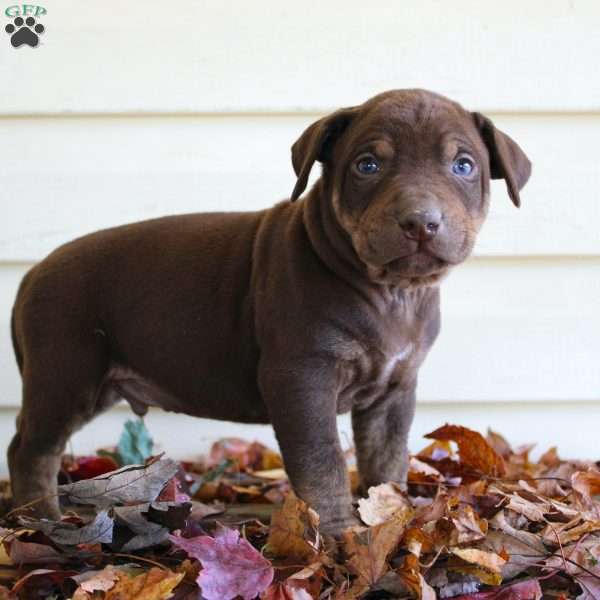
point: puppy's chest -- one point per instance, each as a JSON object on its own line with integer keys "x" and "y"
{"x": 372, "y": 368}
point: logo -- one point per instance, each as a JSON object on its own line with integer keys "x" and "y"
{"x": 25, "y": 29}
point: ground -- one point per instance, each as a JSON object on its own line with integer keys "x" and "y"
{"x": 480, "y": 521}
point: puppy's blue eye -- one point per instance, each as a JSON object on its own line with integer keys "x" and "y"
{"x": 463, "y": 167}
{"x": 367, "y": 166}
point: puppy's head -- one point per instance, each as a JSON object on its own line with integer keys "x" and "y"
{"x": 407, "y": 173}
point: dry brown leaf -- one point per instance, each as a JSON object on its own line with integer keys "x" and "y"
{"x": 420, "y": 472}
{"x": 384, "y": 502}
{"x": 564, "y": 533}
{"x": 459, "y": 525}
{"x": 475, "y": 452}
{"x": 469, "y": 526}
{"x": 531, "y": 510}
{"x": 583, "y": 565}
{"x": 96, "y": 581}
{"x": 486, "y": 566}
{"x": 369, "y": 548}
{"x": 498, "y": 443}
{"x": 523, "y": 547}
{"x": 302, "y": 585}
{"x": 294, "y": 530}
{"x": 587, "y": 483}
{"x": 550, "y": 458}
{"x": 155, "y": 584}
{"x": 284, "y": 590}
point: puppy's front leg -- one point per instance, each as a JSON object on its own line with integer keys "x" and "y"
{"x": 381, "y": 438}
{"x": 301, "y": 398}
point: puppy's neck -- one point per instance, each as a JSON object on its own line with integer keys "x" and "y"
{"x": 327, "y": 237}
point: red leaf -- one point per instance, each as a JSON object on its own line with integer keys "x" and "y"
{"x": 86, "y": 467}
{"x": 231, "y": 566}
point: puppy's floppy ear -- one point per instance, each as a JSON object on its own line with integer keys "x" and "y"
{"x": 507, "y": 160}
{"x": 316, "y": 143}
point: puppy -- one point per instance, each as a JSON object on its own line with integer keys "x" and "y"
{"x": 290, "y": 315}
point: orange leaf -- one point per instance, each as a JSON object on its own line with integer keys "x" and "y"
{"x": 474, "y": 451}
{"x": 413, "y": 581}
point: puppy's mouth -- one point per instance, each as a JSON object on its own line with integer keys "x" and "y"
{"x": 393, "y": 260}
{"x": 420, "y": 262}
{"x": 421, "y": 266}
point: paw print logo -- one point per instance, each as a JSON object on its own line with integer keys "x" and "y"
{"x": 24, "y": 32}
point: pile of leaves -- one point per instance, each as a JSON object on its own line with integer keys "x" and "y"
{"x": 479, "y": 521}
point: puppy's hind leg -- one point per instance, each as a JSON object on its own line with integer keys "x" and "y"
{"x": 61, "y": 392}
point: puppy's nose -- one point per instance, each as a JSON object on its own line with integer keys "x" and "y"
{"x": 421, "y": 225}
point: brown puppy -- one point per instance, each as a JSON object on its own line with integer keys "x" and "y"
{"x": 290, "y": 315}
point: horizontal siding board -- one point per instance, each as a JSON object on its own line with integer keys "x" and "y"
{"x": 128, "y": 57}
{"x": 512, "y": 330}
{"x": 186, "y": 437}
{"x": 62, "y": 178}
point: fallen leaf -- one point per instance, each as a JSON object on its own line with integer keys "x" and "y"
{"x": 231, "y": 565}
{"x": 474, "y": 451}
{"x": 95, "y": 581}
{"x": 369, "y": 548}
{"x": 30, "y": 553}
{"x": 201, "y": 510}
{"x": 100, "y": 530}
{"x": 563, "y": 533}
{"x": 587, "y": 483}
{"x": 135, "y": 444}
{"x": 294, "y": 530}
{"x": 172, "y": 515}
{"x": 550, "y": 458}
{"x": 523, "y": 590}
{"x": 384, "y": 502}
{"x": 437, "y": 450}
{"x": 469, "y": 526}
{"x": 523, "y": 547}
{"x": 533, "y": 511}
{"x": 420, "y": 472}
{"x": 146, "y": 533}
{"x": 498, "y": 443}
{"x": 583, "y": 565}
{"x": 273, "y": 474}
{"x": 486, "y": 566}
{"x": 86, "y": 467}
{"x": 40, "y": 583}
{"x": 128, "y": 485}
{"x": 413, "y": 581}
{"x": 155, "y": 584}
{"x": 284, "y": 591}
{"x": 253, "y": 456}
{"x": 171, "y": 492}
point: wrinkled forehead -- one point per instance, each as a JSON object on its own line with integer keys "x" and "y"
{"x": 416, "y": 118}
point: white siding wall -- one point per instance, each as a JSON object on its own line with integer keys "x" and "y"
{"x": 138, "y": 109}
